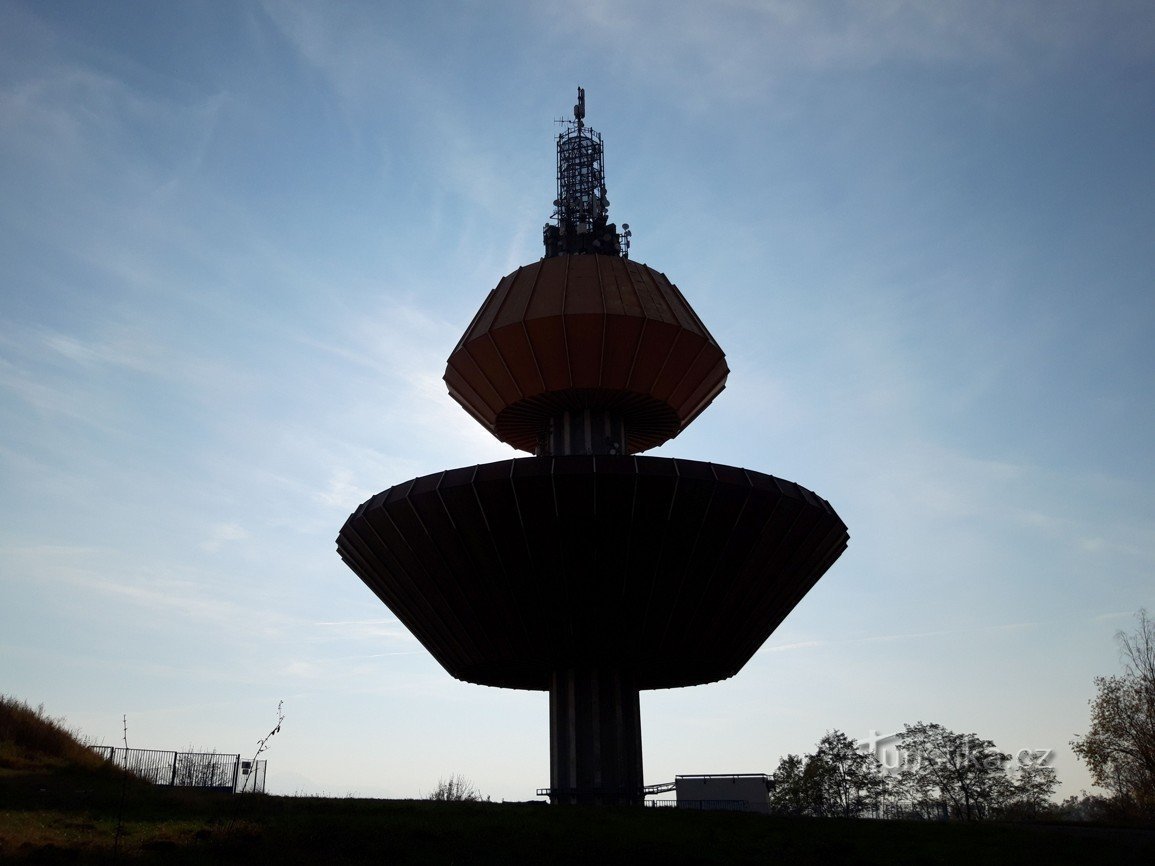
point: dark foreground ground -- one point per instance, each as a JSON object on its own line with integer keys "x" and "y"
{"x": 67, "y": 815}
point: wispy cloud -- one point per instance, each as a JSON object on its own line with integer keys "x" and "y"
{"x": 1108, "y": 617}
{"x": 922, "y": 635}
{"x": 365, "y": 630}
{"x": 342, "y": 623}
{"x": 740, "y": 50}
{"x": 134, "y": 352}
{"x": 222, "y": 534}
{"x": 897, "y": 636}
{"x": 791, "y": 647}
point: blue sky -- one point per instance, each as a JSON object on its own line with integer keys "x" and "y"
{"x": 239, "y": 241}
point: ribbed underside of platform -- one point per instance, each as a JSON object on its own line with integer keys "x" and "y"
{"x": 669, "y": 572}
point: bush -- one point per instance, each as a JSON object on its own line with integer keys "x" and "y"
{"x": 455, "y": 789}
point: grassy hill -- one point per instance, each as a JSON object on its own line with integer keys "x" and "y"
{"x": 60, "y": 803}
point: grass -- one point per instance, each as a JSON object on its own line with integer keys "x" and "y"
{"x": 31, "y": 739}
{"x": 58, "y": 805}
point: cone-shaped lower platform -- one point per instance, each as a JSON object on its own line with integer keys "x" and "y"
{"x": 593, "y": 577}
{"x": 673, "y": 570}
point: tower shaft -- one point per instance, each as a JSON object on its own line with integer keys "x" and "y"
{"x": 595, "y": 737}
{"x": 595, "y": 721}
{"x": 584, "y": 431}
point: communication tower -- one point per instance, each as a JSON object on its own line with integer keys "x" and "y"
{"x": 586, "y": 570}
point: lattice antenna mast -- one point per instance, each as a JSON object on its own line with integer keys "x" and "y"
{"x": 581, "y": 210}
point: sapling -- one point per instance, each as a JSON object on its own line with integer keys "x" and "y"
{"x": 263, "y": 744}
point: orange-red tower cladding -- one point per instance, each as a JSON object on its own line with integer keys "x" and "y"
{"x": 581, "y": 333}
{"x": 585, "y": 570}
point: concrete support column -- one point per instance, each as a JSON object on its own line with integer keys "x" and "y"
{"x": 584, "y": 431}
{"x": 595, "y": 737}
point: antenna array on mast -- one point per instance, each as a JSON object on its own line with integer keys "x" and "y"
{"x": 581, "y": 209}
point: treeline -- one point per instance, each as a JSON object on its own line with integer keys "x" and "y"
{"x": 941, "y": 774}
{"x": 938, "y": 774}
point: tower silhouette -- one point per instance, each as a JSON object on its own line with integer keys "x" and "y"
{"x": 585, "y": 570}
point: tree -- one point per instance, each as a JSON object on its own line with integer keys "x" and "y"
{"x": 789, "y": 794}
{"x": 1032, "y": 786}
{"x": 1119, "y": 748}
{"x": 960, "y": 773}
{"x": 898, "y": 798}
{"x": 836, "y": 780}
{"x": 850, "y": 781}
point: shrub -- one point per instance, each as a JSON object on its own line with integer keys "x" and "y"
{"x": 455, "y": 789}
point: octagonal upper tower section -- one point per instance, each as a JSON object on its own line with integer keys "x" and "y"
{"x": 581, "y": 334}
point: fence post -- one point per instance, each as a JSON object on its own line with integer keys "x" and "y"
{"x": 172, "y": 780}
{"x": 236, "y": 772}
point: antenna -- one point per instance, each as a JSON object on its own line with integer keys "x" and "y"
{"x": 581, "y": 210}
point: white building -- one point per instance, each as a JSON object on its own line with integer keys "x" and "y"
{"x": 741, "y": 792}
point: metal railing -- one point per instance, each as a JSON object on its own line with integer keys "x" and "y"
{"x": 189, "y": 769}
{"x": 647, "y": 791}
{"x": 712, "y": 805}
{"x": 605, "y": 796}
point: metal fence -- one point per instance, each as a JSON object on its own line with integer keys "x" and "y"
{"x": 702, "y": 805}
{"x": 190, "y": 769}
